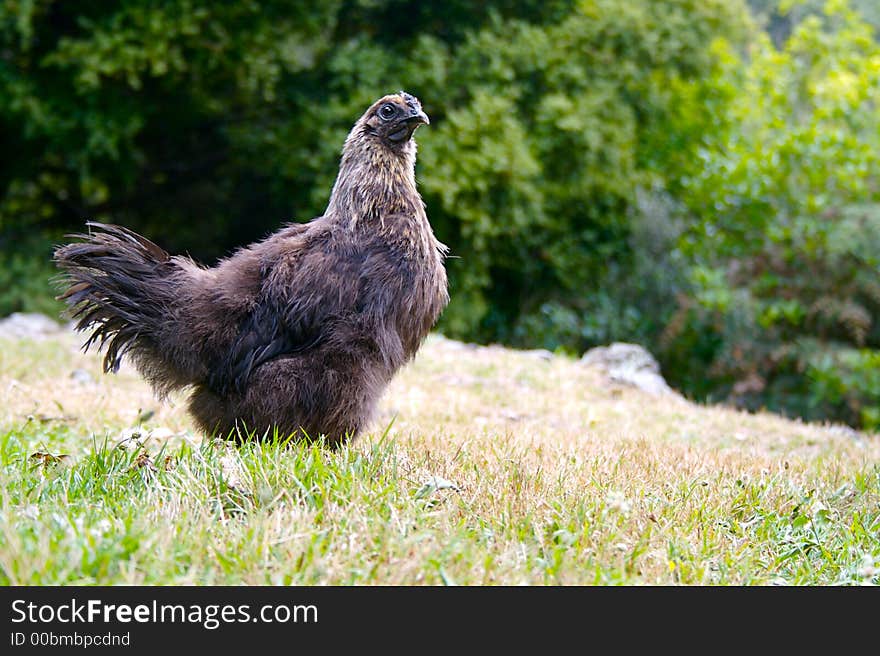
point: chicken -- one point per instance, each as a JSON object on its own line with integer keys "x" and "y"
{"x": 296, "y": 335}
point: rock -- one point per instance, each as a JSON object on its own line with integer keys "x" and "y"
{"x": 83, "y": 377}
{"x": 843, "y": 430}
{"x": 20, "y": 325}
{"x": 630, "y": 364}
{"x": 621, "y": 355}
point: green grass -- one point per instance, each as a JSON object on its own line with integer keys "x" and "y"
{"x": 470, "y": 484}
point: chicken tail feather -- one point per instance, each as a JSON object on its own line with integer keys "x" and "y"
{"x": 119, "y": 287}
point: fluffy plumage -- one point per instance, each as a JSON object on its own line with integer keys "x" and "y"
{"x": 300, "y": 332}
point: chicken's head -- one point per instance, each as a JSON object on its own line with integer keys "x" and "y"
{"x": 393, "y": 119}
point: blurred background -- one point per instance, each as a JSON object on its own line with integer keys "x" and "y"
{"x": 701, "y": 177}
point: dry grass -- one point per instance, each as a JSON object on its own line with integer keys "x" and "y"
{"x": 498, "y": 467}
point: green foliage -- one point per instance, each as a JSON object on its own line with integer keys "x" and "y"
{"x": 127, "y": 112}
{"x": 780, "y": 17}
{"x": 786, "y": 272}
{"x": 26, "y": 276}
{"x": 534, "y": 173}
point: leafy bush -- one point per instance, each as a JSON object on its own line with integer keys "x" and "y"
{"x": 638, "y": 293}
{"x": 550, "y": 132}
{"x": 26, "y": 279}
{"x": 786, "y": 275}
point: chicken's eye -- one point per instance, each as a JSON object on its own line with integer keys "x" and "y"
{"x": 387, "y": 112}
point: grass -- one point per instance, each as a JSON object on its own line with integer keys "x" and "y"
{"x": 485, "y": 466}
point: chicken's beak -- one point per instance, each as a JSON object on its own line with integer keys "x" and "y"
{"x": 419, "y": 117}
{"x": 404, "y": 128}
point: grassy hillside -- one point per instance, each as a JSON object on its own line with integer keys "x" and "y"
{"x": 485, "y": 466}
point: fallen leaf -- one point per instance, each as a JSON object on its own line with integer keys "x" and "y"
{"x": 48, "y": 459}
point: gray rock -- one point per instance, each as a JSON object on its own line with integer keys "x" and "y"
{"x": 83, "y": 377}
{"x": 20, "y": 325}
{"x": 629, "y": 364}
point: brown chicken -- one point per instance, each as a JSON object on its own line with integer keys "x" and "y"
{"x": 299, "y": 333}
